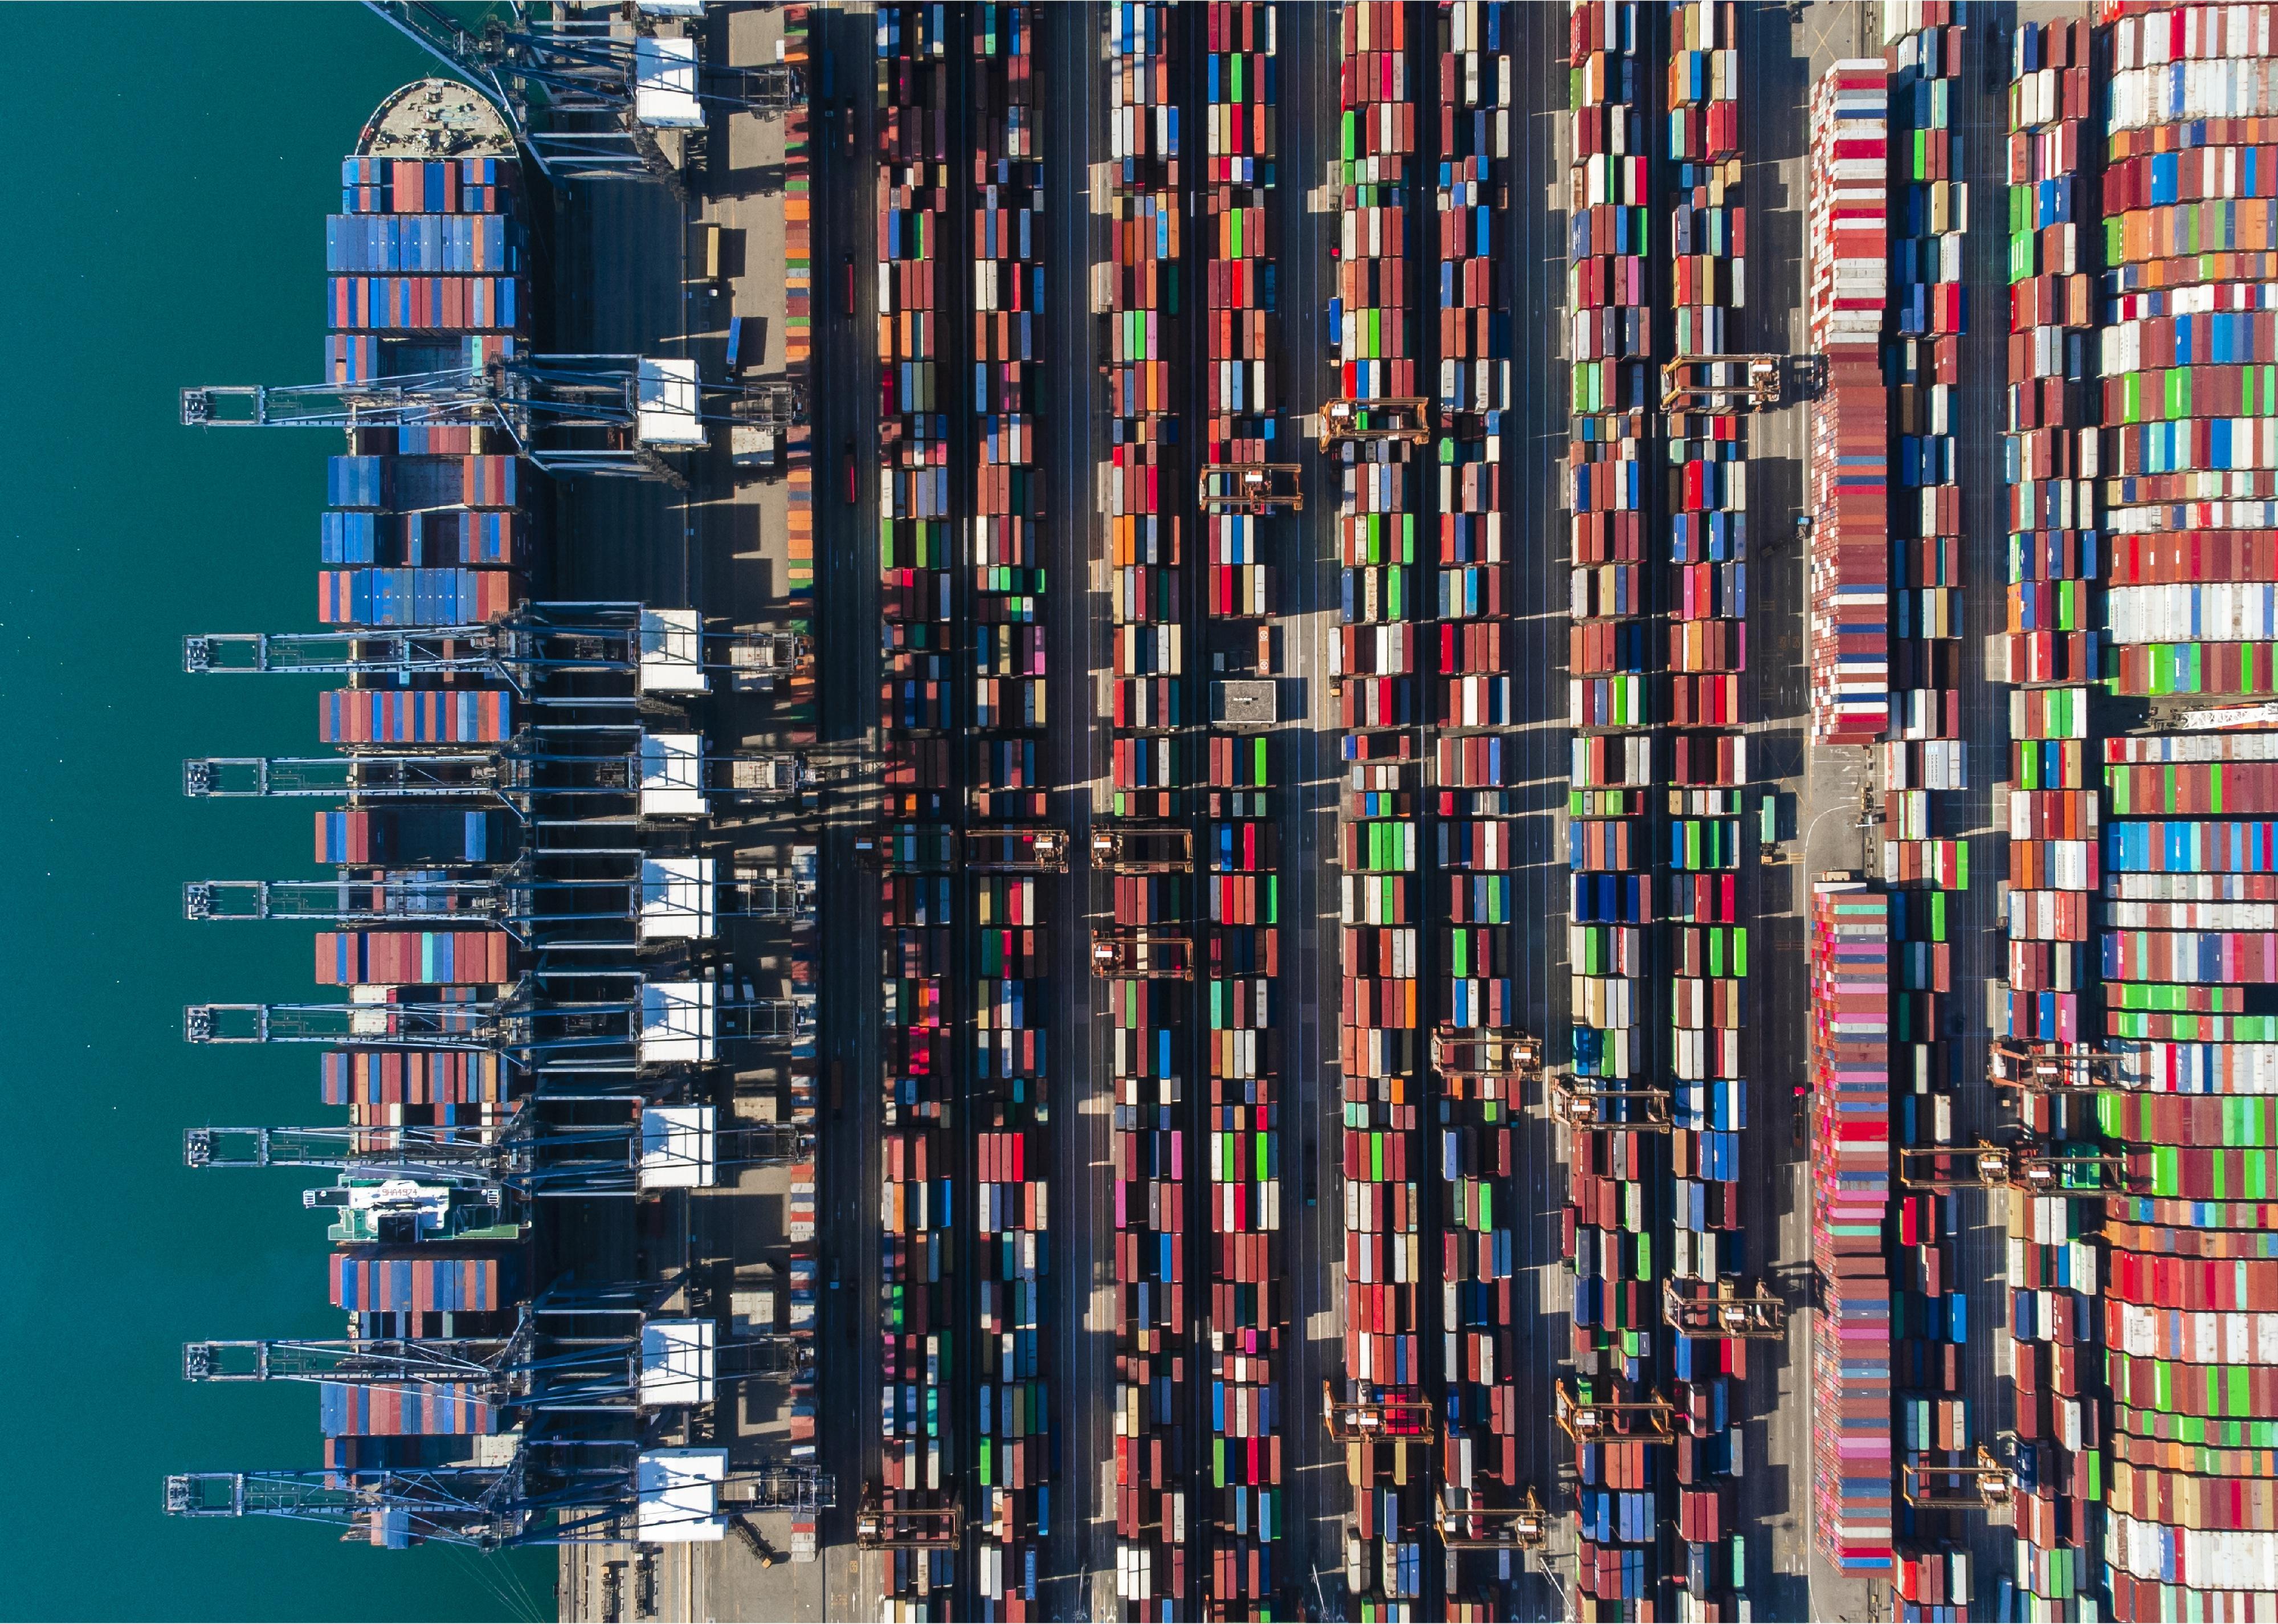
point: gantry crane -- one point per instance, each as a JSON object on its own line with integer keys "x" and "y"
{"x": 1374, "y": 1417}
{"x": 585, "y": 96}
{"x": 1401, "y": 418}
{"x": 1729, "y": 1310}
{"x": 1705, "y": 383}
{"x": 662, "y": 1023}
{"x": 1984, "y": 1485}
{"x": 883, "y": 1523}
{"x": 567, "y": 415}
{"x": 1522, "y": 1527}
{"x": 540, "y": 650}
{"x": 660, "y": 898}
{"x": 656, "y": 1361}
{"x": 2045, "y": 1069}
{"x": 1585, "y": 1418}
{"x": 756, "y": 660}
{"x": 1014, "y": 848}
{"x": 1575, "y": 1104}
{"x": 662, "y": 776}
{"x": 907, "y": 848}
{"x": 1485, "y": 1051}
{"x": 1142, "y": 952}
{"x": 1143, "y": 848}
{"x": 1258, "y": 488}
{"x": 1995, "y": 1167}
{"x": 662, "y": 1147}
{"x": 538, "y": 1497}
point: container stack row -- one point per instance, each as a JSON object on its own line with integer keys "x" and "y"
{"x": 2051, "y": 450}
{"x": 426, "y": 267}
{"x": 424, "y": 263}
{"x": 1241, "y": 1140}
{"x": 920, "y": 1399}
{"x": 1852, "y": 1443}
{"x": 797, "y": 585}
{"x": 1147, "y": 960}
{"x": 411, "y": 1088}
{"x": 798, "y": 589}
{"x": 1706, "y": 933}
{"x": 1921, "y": 755}
{"x": 1615, "y": 1196}
{"x": 2184, "y": 1230}
{"x": 1847, "y": 467}
{"x": 1380, "y": 472}
{"x": 424, "y": 526}
{"x": 799, "y": 1106}
{"x": 2180, "y": 1456}
{"x": 2056, "y": 539}
{"x": 2190, "y": 467}
{"x": 427, "y": 272}
{"x": 1011, "y": 957}
{"x": 1473, "y": 762}
{"x": 1922, "y": 766}
{"x": 2056, "y": 544}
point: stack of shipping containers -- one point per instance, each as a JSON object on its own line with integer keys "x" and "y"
{"x": 1248, "y": 1300}
{"x": 1010, "y": 958}
{"x": 1706, "y": 594}
{"x": 1849, "y": 491}
{"x": 426, "y": 263}
{"x": 1847, "y": 474}
{"x": 797, "y": 589}
{"x": 427, "y": 267}
{"x": 1850, "y": 1440}
{"x": 1380, "y": 489}
{"x": 2050, "y": 452}
{"x": 429, "y": 1290}
{"x": 919, "y": 1399}
{"x": 2189, "y": 477}
{"x": 1474, "y": 757}
{"x": 1613, "y": 1204}
{"x": 1137, "y": 291}
{"x": 797, "y": 585}
{"x": 1922, "y": 763}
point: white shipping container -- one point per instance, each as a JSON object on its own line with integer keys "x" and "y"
{"x": 2184, "y": 887}
{"x": 2203, "y": 516}
{"x": 2199, "y": 1068}
{"x": 2208, "y": 611}
{"x": 2035, "y": 916}
{"x": 2173, "y": 92}
{"x": 2192, "y": 915}
{"x": 1604, "y": 1001}
{"x": 2226, "y": 1337}
{"x": 2200, "y": 298}
{"x": 1905, "y": 814}
{"x": 2200, "y": 1558}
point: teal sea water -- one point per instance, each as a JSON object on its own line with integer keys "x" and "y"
{"x": 164, "y": 226}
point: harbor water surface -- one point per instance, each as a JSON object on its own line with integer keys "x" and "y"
{"x": 165, "y": 227}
